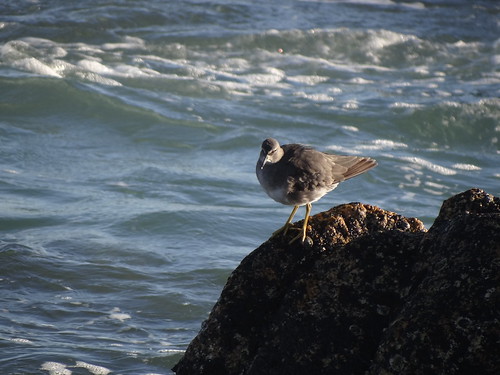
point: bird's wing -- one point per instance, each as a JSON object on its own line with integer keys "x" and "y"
{"x": 311, "y": 168}
{"x": 350, "y": 166}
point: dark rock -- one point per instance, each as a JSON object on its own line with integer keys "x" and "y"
{"x": 374, "y": 294}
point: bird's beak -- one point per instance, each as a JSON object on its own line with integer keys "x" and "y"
{"x": 263, "y": 158}
{"x": 266, "y": 159}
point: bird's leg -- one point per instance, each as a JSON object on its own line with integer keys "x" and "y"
{"x": 284, "y": 228}
{"x": 302, "y": 235}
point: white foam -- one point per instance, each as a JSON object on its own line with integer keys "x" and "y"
{"x": 382, "y": 144}
{"x": 271, "y": 77}
{"x": 94, "y": 66}
{"x": 235, "y": 75}
{"x": 116, "y": 314}
{"x": 93, "y": 77}
{"x": 408, "y": 196}
{"x": 351, "y": 104}
{"x": 93, "y": 369}
{"x": 119, "y": 184}
{"x": 22, "y": 341}
{"x": 308, "y": 80}
{"x": 405, "y": 105}
{"x": 236, "y": 64}
{"x": 87, "y": 49}
{"x": 433, "y": 192}
{"x": 171, "y": 351}
{"x": 429, "y": 165}
{"x": 350, "y": 128}
{"x": 62, "y": 67}
{"x": 415, "y": 5}
{"x": 375, "y": 145}
{"x": 11, "y": 171}
{"x": 129, "y": 42}
{"x": 435, "y": 185}
{"x": 314, "y": 97}
{"x": 44, "y": 57}
{"x": 55, "y": 368}
{"x": 380, "y": 39}
{"x": 360, "y": 81}
{"x": 443, "y": 93}
{"x": 35, "y": 66}
{"x": 349, "y": 67}
{"x": 466, "y": 167}
{"x": 120, "y": 316}
{"x": 133, "y": 71}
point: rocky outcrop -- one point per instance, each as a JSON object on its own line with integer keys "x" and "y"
{"x": 375, "y": 293}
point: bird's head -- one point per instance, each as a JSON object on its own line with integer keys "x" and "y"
{"x": 271, "y": 152}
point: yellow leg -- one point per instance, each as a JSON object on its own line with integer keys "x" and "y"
{"x": 302, "y": 235}
{"x": 284, "y": 228}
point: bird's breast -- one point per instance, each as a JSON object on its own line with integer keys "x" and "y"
{"x": 274, "y": 186}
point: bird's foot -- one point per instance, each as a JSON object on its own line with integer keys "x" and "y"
{"x": 278, "y": 232}
{"x": 305, "y": 240}
{"x": 284, "y": 229}
{"x": 301, "y": 236}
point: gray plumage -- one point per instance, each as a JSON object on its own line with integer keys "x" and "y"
{"x": 298, "y": 175}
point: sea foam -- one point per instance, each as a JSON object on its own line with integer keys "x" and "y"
{"x": 420, "y": 162}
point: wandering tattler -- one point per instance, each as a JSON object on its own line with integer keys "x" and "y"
{"x": 298, "y": 175}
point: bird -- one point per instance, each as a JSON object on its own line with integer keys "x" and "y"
{"x": 297, "y": 175}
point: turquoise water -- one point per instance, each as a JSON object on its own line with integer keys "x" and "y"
{"x": 129, "y": 133}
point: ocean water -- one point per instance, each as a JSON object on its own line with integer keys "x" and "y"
{"x": 129, "y": 133}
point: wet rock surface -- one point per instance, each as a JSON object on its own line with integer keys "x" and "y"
{"x": 375, "y": 293}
